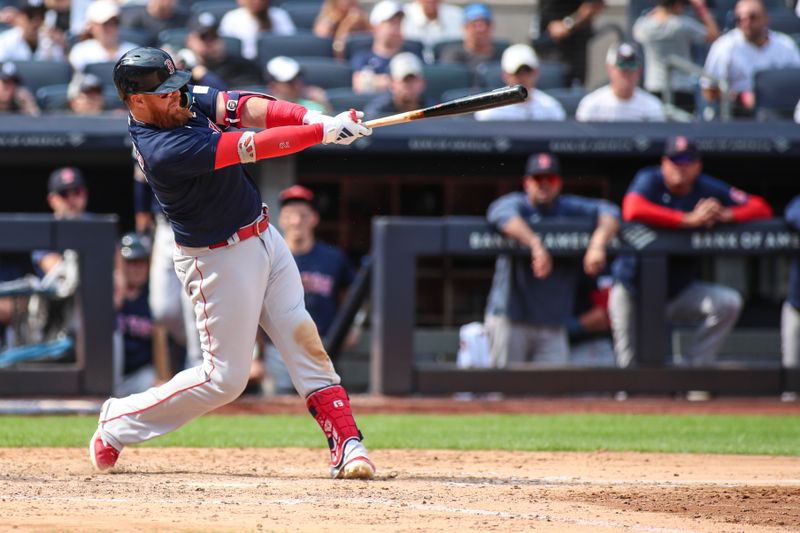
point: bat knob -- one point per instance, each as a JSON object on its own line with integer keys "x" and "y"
{"x": 523, "y": 92}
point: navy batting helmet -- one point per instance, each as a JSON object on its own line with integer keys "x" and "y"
{"x": 148, "y": 71}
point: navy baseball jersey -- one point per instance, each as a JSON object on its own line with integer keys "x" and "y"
{"x": 792, "y": 216}
{"x": 367, "y": 59}
{"x": 135, "y": 323}
{"x": 325, "y": 271}
{"x": 515, "y": 292}
{"x": 649, "y": 183}
{"x": 144, "y": 201}
{"x": 204, "y": 206}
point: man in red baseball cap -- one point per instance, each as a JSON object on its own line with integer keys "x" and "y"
{"x": 325, "y": 271}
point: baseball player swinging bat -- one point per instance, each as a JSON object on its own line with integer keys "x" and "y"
{"x": 467, "y": 104}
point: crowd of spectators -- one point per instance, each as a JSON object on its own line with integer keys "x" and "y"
{"x": 229, "y": 44}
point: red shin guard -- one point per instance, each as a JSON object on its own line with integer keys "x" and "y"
{"x": 330, "y": 407}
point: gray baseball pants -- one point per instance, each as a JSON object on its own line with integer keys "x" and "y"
{"x": 714, "y": 306}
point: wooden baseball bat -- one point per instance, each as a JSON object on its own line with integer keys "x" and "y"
{"x": 466, "y": 104}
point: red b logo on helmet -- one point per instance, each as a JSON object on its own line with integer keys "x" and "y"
{"x": 170, "y": 66}
{"x": 544, "y": 161}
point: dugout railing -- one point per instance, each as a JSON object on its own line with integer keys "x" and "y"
{"x": 399, "y": 242}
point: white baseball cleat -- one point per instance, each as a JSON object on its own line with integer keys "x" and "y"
{"x": 355, "y": 463}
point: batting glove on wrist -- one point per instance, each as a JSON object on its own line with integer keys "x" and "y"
{"x": 344, "y": 128}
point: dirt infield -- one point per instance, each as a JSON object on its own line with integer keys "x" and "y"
{"x": 257, "y": 490}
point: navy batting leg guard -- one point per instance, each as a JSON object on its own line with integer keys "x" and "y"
{"x": 330, "y": 407}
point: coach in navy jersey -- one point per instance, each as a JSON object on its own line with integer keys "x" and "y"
{"x": 676, "y": 195}
{"x": 231, "y": 261}
{"x": 324, "y": 269}
{"x": 790, "y": 314}
{"x": 531, "y": 300}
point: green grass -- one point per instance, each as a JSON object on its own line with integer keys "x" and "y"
{"x": 773, "y": 435}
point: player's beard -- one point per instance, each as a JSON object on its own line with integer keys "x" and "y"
{"x": 171, "y": 118}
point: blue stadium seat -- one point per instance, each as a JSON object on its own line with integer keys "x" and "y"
{"x": 303, "y": 13}
{"x": 356, "y": 42}
{"x": 460, "y": 92}
{"x": 325, "y": 72}
{"x": 140, "y": 37}
{"x": 343, "y": 98}
{"x": 35, "y": 74}
{"x": 440, "y": 78}
{"x": 500, "y": 44}
{"x": 551, "y": 75}
{"x": 218, "y": 8}
{"x": 777, "y": 92}
{"x": 52, "y": 97}
{"x": 103, "y": 70}
{"x": 298, "y": 45}
{"x": 568, "y": 97}
{"x": 176, "y": 39}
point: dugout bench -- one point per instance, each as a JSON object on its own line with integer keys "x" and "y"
{"x": 398, "y": 242}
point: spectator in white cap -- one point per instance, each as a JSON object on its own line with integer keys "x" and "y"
{"x": 406, "y": 91}
{"x": 371, "y": 67}
{"x": 477, "y": 47}
{"x": 521, "y": 67}
{"x": 621, "y": 100}
{"x": 252, "y": 18}
{"x": 431, "y": 21}
{"x": 285, "y": 82}
{"x": 14, "y": 98}
{"x": 85, "y": 95}
{"x": 29, "y": 38}
{"x": 101, "y": 39}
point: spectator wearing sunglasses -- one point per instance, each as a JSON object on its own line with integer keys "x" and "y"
{"x": 532, "y": 297}
{"x": 741, "y": 52}
{"x": 621, "y": 100}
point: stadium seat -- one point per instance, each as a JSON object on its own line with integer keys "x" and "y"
{"x": 298, "y": 45}
{"x": 777, "y": 92}
{"x": 303, "y": 14}
{"x": 460, "y": 92}
{"x": 440, "y": 78}
{"x": 501, "y": 44}
{"x": 363, "y": 41}
{"x": 35, "y": 74}
{"x": 103, "y": 70}
{"x": 176, "y": 39}
{"x": 52, "y": 97}
{"x": 568, "y": 97}
{"x": 325, "y": 72}
{"x": 218, "y": 8}
{"x": 343, "y": 98}
{"x": 551, "y": 75}
{"x": 140, "y": 37}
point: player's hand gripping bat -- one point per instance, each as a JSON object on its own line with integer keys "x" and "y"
{"x": 467, "y": 104}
